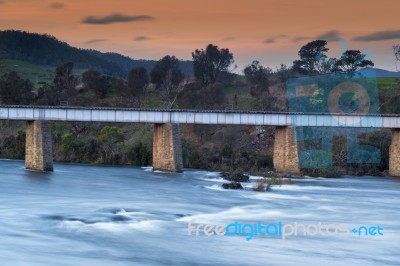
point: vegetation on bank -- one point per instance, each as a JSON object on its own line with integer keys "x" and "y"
{"x": 225, "y": 148}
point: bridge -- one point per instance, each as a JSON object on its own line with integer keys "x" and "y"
{"x": 167, "y": 151}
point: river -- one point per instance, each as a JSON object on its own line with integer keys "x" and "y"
{"x": 97, "y": 215}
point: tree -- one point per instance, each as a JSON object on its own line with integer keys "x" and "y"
{"x": 283, "y": 73}
{"x": 64, "y": 79}
{"x": 68, "y": 144}
{"x": 63, "y": 87}
{"x": 109, "y": 137}
{"x": 352, "y": 60}
{"x": 47, "y": 95}
{"x": 396, "y": 51}
{"x": 15, "y": 90}
{"x": 312, "y": 55}
{"x": 195, "y": 96}
{"x": 329, "y": 66}
{"x": 141, "y": 154}
{"x": 96, "y": 82}
{"x": 138, "y": 79}
{"x": 167, "y": 76}
{"x": 210, "y": 63}
{"x": 2, "y": 67}
{"x": 90, "y": 78}
{"x": 64, "y": 83}
{"x": 258, "y": 76}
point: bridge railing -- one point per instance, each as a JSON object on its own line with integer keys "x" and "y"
{"x": 133, "y": 115}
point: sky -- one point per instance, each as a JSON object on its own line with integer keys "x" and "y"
{"x": 270, "y": 31}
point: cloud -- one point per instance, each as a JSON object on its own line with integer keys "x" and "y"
{"x": 379, "y": 36}
{"x": 274, "y": 38}
{"x": 330, "y": 36}
{"x": 270, "y": 40}
{"x": 141, "y": 38}
{"x": 95, "y": 41}
{"x": 300, "y": 38}
{"x": 229, "y": 38}
{"x": 56, "y": 5}
{"x": 114, "y": 18}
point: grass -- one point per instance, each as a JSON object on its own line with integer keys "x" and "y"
{"x": 389, "y": 87}
{"x": 244, "y": 99}
{"x": 152, "y": 99}
{"x": 37, "y": 74}
{"x": 387, "y": 81}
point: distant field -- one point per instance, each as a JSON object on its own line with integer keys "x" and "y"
{"x": 37, "y": 74}
{"x": 389, "y": 87}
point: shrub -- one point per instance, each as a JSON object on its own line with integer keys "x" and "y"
{"x": 141, "y": 155}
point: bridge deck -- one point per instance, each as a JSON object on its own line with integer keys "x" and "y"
{"x": 126, "y": 115}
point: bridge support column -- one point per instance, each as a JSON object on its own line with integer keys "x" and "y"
{"x": 167, "y": 148}
{"x": 285, "y": 155}
{"x": 394, "y": 154}
{"x": 38, "y": 149}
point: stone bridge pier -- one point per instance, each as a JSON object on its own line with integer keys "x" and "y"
{"x": 38, "y": 147}
{"x": 285, "y": 154}
{"x": 167, "y": 148}
{"x": 167, "y": 152}
{"x": 394, "y": 154}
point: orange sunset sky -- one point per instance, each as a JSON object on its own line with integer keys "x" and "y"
{"x": 271, "y": 31}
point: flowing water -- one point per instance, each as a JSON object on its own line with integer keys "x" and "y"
{"x": 93, "y": 215}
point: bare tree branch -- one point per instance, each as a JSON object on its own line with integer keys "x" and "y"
{"x": 396, "y": 51}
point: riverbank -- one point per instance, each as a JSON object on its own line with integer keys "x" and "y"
{"x": 218, "y": 148}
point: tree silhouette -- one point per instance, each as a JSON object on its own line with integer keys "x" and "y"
{"x": 396, "y": 51}
{"x": 283, "y": 73}
{"x": 64, "y": 80}
{"x": 210, "y": 63}
{"x": 138, "y": 79}
{"x": 15, "y": 90}
{"x": 96, "y": 82}
{"x": 312, "y": 56}
{"x": 353, "y": 60}
{"x": 2, "y": 66}
{"x": 167, "y": 76}
{"x": 258, "y": 76}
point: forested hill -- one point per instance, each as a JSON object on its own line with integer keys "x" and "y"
{"x": 126, "y": 63}
{"x": 45, "y": 49}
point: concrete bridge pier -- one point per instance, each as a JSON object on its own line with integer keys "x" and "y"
{"x": 394, "y": 154}
{"x": 285, "y": 157}
{"x": 167, "y": 148}
{"x": 38, "y": 149}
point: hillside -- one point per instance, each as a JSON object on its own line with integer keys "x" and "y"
{"x": 37, "y": 74}
{"x": 46, "y": 50}
{"x": 382, "y": 73}
{"x": 126, "y": 63}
